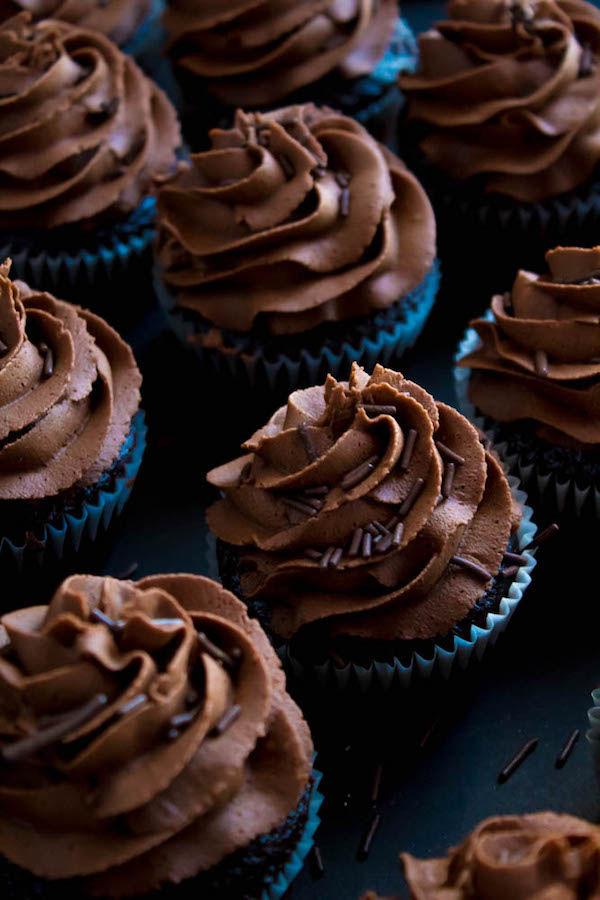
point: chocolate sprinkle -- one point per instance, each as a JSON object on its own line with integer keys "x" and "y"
{"x": 377, "y": 410}
{"x": 542, "y": 537}
{"x": 510, "y": 571}
{"x": 132, "y": 704}
{"x": 286, "y": 166}
{"x": 207, "y": 646}
{"x": 411, "y": 497}
{"x": 343, "y": 179}
{"x": 516, "y": 558}
{"x": 356, "y": 542}
{"x": 568, "y": 748}
{"x": 365, "y": 844}
{"x": 312, "y": 553}
{"x": 355, "y": 476}
{"x": 183, "y": 719}
{"x": 397, "y": 538}
{"x": 317, "y": 862}
{"x": 48, "y": 363}
{"x": 366, "y": 544}
{"x": 29, "y": 745}
{"x": 408, "y": 450}
{"x": 326, "y": 558}
{"x": 449, "y": 454}
{"x": 172, "y": 734}
{"x": 336, "y": 557}
{"x": 306, "y": 442}
{"x": 319, "y": 491}
{"x": 520, "y": 757}
{"x": 541, "y": 363}
{"x": 344, "y": 207}
{"x": 299, "y": 506}
{"x": 97, "y": 615}
{"x": 473, "y": 567}
{"x": 448, "y": 480}
{"x": 376, "y": 786}
{"x": 383, "y": 545}
{"x": 227, "y": 721}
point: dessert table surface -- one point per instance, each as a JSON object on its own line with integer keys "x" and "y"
{"x": 441, "y": 746}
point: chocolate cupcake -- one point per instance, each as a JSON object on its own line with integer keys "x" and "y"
{"x": 503, "y": 126}
{"x": 293, "y": 247}
{"x": 71, "y": 433}
{"x": 83, "y": 133}
{"x": 538, "y": 855}
{"x": 366, "y": 523}
{"x": 119, "y": 20}
{"x": 263, "y": 54}
{"x": 148, "y": 744}
{"x": 529, "y": 372}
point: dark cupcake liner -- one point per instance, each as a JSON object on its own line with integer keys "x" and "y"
{"x": 372, "y": 99}
{"x": 281, "y": 366}
{"x": 264, "y": 868}
{"x": 562, "y": 483}
{"x": 443, "y": 656}
{"x": 65, "y": 531}
{"x": 105, "y": 270}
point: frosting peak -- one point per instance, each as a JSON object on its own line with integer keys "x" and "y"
{"x": 82, "y": 130}
{"x": 69, "y": 387}
{"x": 539, "y": 357}
{"x": 294, "y": 217}
{"x": 257, "y": 52}
{"x": 130, "y": 720}
{"x": 509, "y": 93}
{"x": 367, "y": 507}
{"x": 531, "y": 857}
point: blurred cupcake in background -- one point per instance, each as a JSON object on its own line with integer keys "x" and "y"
{"x": 167, "y": 753}
{"x": 263, "y": 54}
{"x": 71, "y": 433}
{"x": 372, "y": 534}
{"x": 529, "y": 375}
{"x": 295, "y": 246}
{"x": 503, "y": 125}
{"x": 83, "y": 133}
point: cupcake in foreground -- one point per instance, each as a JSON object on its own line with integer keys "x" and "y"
{"x": 148, "y": 742}
{"x": 83, "y": 133}
{"x": 505, "y": 108}
{"x": 528, "y": 857}
{"x": 119, "y": 20}
{"x": 295, "y": 246}
{"x": 71, "y": 433}
{"x": 262, "y": 54}
{"x": 533, "y": 375}
{"x": 367, "y": 522}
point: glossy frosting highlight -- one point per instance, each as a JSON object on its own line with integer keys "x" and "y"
{"x": 117, "y": 19}
{"x": 539, "y": 357}
{"x": 254, "y": 53}
{"x": 344, "y": 463}
{"x": 153, "y": 787}
{"x": 82, "y": 130}
{"x": 69, "y": 387}
{"x": 294, "y": 218}
{"x": 509, "y": 93}
{"x": 531, "y": 857}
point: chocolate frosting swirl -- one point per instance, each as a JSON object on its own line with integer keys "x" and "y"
{"x": 542, "y": 856}
{"x": 117, "y": 19}
{"x": 365, "y": 458}
{"x": 510, "y": 93}
{"x": 82, "y": 130}
{"x": 152, "y": 787}
{"x": 257, "y": 52}
{"x": 69, "y": 387}
{"x": 297, "y": 217}
{"x": 539, "y": 358}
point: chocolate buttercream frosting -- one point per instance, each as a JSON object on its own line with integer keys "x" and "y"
{"x": 539, "y": 356}
{"x": 509, "y": 93}
{"x": 69, "y": 387}
{"x": 255, "y": 53}
{"x": 82, "y": 130}
{"x": 117, "y": 19}
{"x": 145, "y": 733}
{"x": 542, "y": 856}
{"x": 366, "y": 507}
{"x": 292, "y": 218}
